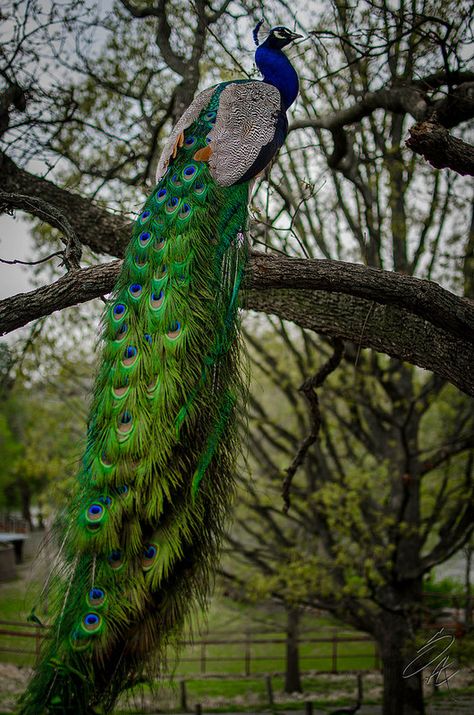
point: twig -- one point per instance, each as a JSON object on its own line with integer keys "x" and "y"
{"x": 47, "y": 212}
{"x": 308, "y": 388}
{"x": 32, "y": 263}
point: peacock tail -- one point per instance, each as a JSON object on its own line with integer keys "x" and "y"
{"x": 139, "y": 540}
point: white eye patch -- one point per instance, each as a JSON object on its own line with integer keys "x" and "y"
{"x": 280, "y": 35}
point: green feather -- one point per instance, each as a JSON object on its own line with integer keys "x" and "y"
{"x": 140, "y": 537}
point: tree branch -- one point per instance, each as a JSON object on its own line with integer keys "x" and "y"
{"x": 443, "y": 151}
{"x": 399, "y": 332}
{"x": 424, "y": 298}
{"x": 308, "y": 388}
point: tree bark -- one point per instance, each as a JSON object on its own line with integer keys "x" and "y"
{"x": 401, "y": 695}
{"x": 292, "y": 670}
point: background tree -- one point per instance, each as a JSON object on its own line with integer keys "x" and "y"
{"x": 346, "y": 191}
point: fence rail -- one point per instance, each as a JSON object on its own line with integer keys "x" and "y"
{"x": 248, "y": 650}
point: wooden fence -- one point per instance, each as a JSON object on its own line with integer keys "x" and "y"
{"x": 246, "y": 650}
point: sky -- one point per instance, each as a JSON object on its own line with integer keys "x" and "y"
{"x": 15, "y": 243}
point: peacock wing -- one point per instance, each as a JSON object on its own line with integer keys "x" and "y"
{"x": 185, "y": 121}
{"x": 250, "y": 128}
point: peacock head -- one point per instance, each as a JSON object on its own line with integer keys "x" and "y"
{"x": 276, "y": 37}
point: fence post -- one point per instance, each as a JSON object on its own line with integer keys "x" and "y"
{"x": 376, "y": 656}
{"x": 37, "y": 642}
{"x": 247, "y": 654}
{"x": 308, "y": 708}
{"x": 183, "y": 702}
{"x": 268, "y": 683}
{"x": 198, "y": 709}
{"x": 203, "y": 657}
{"x": 334, "y": 651}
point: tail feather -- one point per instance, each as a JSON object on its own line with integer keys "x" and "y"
{"x": 144, "y": 526}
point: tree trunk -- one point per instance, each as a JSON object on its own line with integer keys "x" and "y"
{"x": 292, "y": 674}
{"x": 25, "y": 496}
{"x": 401, "y": 695}
{"x": 467, "y": 584}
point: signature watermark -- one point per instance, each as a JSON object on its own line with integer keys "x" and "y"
{"x": 433, "y": 655}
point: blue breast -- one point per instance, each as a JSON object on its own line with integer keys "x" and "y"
{"x": 277, "y": 69}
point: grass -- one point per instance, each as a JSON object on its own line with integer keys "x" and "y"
{"x": 226, "y": 622}
{"x": 245, "y": 695}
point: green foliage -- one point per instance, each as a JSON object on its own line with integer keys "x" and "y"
{"x": 41, "y": 432}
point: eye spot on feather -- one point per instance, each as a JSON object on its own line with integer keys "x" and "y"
{"x": 144, "y": 238}
{"x": 121, "y": 332}
{"x": 122, "y": 490}
{"x": 161, "y": 195}
{"x": 156, "y": 300}
{"x": 190, "y": 141}
{"x": 119, "y": 311}
{"x": 150, "y": 552}
{"x": 115, "y": 559}
{"x": 199, "y": 187}
{"x": 79, "y": 640}
{"x": 145, "y": 216}
{"x": 125, "y": 422}
{"x": 130, "y": 355}
{"x": 95, "y": 512}
{"x": 172, "y": 204}
{"x": 160, "y": 244}
{"x": 174, "y": 330}
{"x": 105, "y": 460}
{"x": 96, "y": 597}
{"x": 152, "y": 385}
{"x": 210, "y": 117}
{"x": 176, "y": 181}
{"x": 135, "y": 290}
{"x": 161, "y": 271}
{"x": 91, "y": 622}
{"x": 208, "y": 140}
{"x": 189, "y": 171}
{"x": 105, "y": 500}
{"x": 148, "y": 338}
{"x": 185, "y": 211}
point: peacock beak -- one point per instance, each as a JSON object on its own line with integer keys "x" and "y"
{"x": 294, "y": 36}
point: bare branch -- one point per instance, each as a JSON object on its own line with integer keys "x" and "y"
{"x": 442, "y": 150}
{"x": 308, "y": 388}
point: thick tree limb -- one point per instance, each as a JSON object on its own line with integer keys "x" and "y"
{"x": 424, "y": 298}
{"x": 337, "y": 299}
{"x": 442, "y": 150}
{"x": 97, "y": 228}
{"x": 385, "y": 328}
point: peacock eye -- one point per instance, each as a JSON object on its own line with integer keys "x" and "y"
{"x": 161, "y": 195}
{"x": 145, "y": 216}
{"x": 189, "y": 141}
{"x": 119, "y": 310}
{"x": 135, "y": 290}
{"x": 144, "y": 237}
{"x": 185, "y": 211}
{"x": 174, "y": 329}
{"x": 189, "y": 171}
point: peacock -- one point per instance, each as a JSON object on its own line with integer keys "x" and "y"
{"x": 138, "y": 542}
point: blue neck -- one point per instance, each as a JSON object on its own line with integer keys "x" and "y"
{"x": 278, "y": 70}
